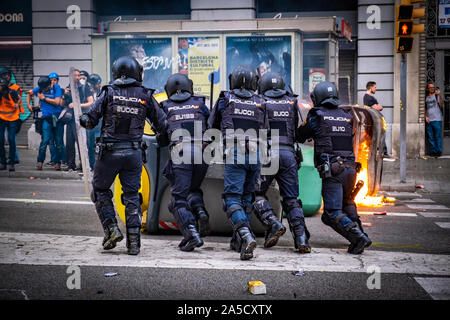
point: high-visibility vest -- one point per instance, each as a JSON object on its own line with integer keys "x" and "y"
{"x": 19, "y": 90}
{"x": 9, "y": 110}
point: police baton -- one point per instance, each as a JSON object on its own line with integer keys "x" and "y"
{"x": 81, "y": 132}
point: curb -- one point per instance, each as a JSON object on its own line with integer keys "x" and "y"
{"x": 400, "y": 187}
{"x": 57, "y": 175}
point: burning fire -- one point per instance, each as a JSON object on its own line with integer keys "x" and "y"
{"x": 362, "y": 198}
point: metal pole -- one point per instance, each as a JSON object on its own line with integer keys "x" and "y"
{"x": 81, "y": 132}
{"x": 403, "y": 119}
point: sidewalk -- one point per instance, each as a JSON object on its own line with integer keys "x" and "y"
{"x": 431, "y": 173}
{"x": 27, "y": 168}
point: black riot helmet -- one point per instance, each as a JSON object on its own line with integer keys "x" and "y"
{"x": 271, "y": 85}
{"x": 179, "y": 87}
{"x": 242, "y": 80}
{"x": 127, "y": 70}
{"x": 94, "y": 79}
{"x": 325, "y": 93}
{"x": 44, "y": 83}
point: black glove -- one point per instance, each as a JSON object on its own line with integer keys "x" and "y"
{"x": 85, "y": 122}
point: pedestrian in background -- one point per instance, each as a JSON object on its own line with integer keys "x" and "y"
{"x": 433, "y": 119}
{"x": 7, "y": 75}
{"x": 54, "y": 78}
{"x": 9, "y": 119}
{"x": 86, "y": 100}
{"x": 49, "y": 99}
{"x": 95, "y": 82}
{"x": 370, "y": 101}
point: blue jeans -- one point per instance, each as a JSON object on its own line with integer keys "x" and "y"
{"x": 50, "y": 133}
{"x": 434, "y": 133}
{"x": 11, "y": 126}
{"x": 239, "y": 186}
{"x": 91, "y": 135}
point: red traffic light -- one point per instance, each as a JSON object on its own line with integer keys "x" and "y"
{"x": 404, "y": 28}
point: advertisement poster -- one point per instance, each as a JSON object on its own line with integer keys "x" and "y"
{"x": 262, "y": 53}
{"x": 316, "y": 76}
{"x": 444, "y": 14}
{"x": 198, "y": 58}
{"x": 154, "y": 54}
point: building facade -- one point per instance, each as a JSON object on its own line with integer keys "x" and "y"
{"x": 348, "y": 42}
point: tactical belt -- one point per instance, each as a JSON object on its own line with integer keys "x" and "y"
{"x": 122, "y": 145}
{"x": 353, "y": 164}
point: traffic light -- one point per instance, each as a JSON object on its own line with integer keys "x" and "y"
{"x": 405, "y": 27}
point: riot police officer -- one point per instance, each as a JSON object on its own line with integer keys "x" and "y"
{"x": 124, "y": 106}
{"x": 283, "y": 115}
{"x": 332, "y": 131}
{"x": 240, "y": 109}
{"x": 186, "y": 111}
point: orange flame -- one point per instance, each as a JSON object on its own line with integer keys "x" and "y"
{"x": 362, "y": 198}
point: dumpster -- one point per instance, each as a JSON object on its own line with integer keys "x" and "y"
{"x": 368, "y": 147}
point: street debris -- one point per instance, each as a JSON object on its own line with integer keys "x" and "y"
{"x": 419, "y": 186}
{"x": 257, "y": 287}
{"x": 111, "y": 274}
{"x": 33, "y": 193}
{"x": 299, "y": 273}
{"x": 366, "y": 224}
{"x": 32, "y": 178}
{"x": 383, "y": 213}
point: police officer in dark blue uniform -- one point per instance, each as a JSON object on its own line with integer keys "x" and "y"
{"x": 283, "y": 114}
{"x": 124, "y": 106}
{"x": 186, "y": 112}
{"x": 240, "y": 109}
{"x": 332, "y": 131}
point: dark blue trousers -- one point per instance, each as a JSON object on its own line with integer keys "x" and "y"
{"x": 127, "y": 163}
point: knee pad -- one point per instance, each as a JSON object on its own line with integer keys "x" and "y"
{"x": 290, "y": 203}
{"x": 262, "y": 207}
{"x": 195, "y": 200}
{"x": 102, "y": 198}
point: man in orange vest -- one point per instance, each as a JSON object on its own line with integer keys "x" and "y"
{"x": 6, "y": 74}
{"x": 9, "y": 118}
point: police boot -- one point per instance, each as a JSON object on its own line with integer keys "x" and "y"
{"x": 133, "y": 241}
{"x": 191, "y": 239}
{"x": 235, "y": 242}
{"x": 112, "y": 235}
{"x": 274, "y": 228}
{"x": 248, "y": 243}
{"x": 301, "y": 237}
{"x": 358, "y": 239}
{"x": 197, "y": 207}
{"x": 203, "y": 222}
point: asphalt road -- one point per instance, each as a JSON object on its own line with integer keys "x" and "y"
{"x": 39, "y": 241}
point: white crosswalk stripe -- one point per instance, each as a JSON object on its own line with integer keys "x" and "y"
{"x": 437, "y": 288}
{"x": 435, "y": 214}
{"x": 426, "y": 206}
{"x": 51, "y": 249}
{"x": 418, "y": 200}
{"x": 443, "y": 225}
